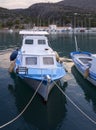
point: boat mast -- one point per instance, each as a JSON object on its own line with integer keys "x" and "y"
{"x": 76, "y": 45}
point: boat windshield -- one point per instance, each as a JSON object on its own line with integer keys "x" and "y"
{"x": 40, "y": 42}
{"x": 48, "y": 60}
{"x": 28, "y": 41}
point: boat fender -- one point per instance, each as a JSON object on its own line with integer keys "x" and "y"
{"x": 12, "y": 65}
{"x": 86, "y": 73}
{"x": 61, "y": 59}
{"x": 57, "y": 56}
{"x": 14, "y": 55}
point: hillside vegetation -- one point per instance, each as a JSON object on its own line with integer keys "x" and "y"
{"x": 82, "y": 12}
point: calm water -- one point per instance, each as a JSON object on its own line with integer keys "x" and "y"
{"x": 59, "y": 113}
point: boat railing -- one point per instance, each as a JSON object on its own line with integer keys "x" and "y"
{"x": 38, "y": 71}
{"x": 52, "y": 72}
{"x": 45, "y": 71}
{"x": 22, "y": 70}
{"x": 42, "y": 72}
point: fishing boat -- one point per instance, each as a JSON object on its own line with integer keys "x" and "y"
{"x": 85, "y": 63}
{"x": 37, "y": 62}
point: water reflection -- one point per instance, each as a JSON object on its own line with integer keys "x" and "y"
{"x": 42, "y": 116}
{"x": 8, "y": 40}
{"x": 87, "y": 87}
{"x": 62, "y": 43}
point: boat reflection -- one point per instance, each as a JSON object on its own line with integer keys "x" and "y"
{"x": 40, "y": 115}
{"x": 87, "y": 87}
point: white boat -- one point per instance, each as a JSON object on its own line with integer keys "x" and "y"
{"x": 85, "y": 63}
{"x": 10, "y": 30}
{"x": 36, "y": 62}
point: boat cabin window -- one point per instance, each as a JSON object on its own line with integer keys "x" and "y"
{"x": 41, "y": 42}
{"x": 48, "y": 60}
{"x": 31, "y": 60}
{"x": 28, "y": 41}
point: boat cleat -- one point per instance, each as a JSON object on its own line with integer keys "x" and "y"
{"x": 48, "y": 78}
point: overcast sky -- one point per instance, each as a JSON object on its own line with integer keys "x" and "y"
{"x": 14, "y": 4}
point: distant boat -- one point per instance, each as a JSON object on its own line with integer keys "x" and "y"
{"x": 10, "y": 30}
{"x": 85, "y": 63}
{"x": 36, "y": 62}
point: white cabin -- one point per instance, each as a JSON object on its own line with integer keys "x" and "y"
{"x": 35, "y": 51}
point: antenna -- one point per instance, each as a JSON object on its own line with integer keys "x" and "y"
{"x": 76, "y": 45}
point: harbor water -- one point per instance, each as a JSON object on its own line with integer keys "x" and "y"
{"x": 75, "y": 109}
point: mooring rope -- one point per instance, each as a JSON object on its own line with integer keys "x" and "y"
{"x": 74, "y": 104}
{"x": 20, "y": 114}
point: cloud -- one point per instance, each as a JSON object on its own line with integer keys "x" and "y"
{"x": 13, "y": 4}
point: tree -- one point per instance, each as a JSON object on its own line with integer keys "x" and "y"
{"x": 9, "y": 23}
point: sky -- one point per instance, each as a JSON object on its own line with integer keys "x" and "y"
{"x": 15, "y": 4}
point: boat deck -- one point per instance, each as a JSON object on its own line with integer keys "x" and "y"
{"x": 85, "y": 60}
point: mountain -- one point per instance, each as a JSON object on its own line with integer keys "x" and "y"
{"x": 83, "y": 4}
{"x": 59, "y": 13}
{"x": 45, "y": 10}
{"x": 53, "y": 10}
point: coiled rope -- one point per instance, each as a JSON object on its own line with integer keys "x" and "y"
{"x": 75, "y": 104}
{"x": 18, "y": 116}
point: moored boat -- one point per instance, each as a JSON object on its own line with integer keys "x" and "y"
{"x": 36, "y": 62}
{"x": 85, "y": 63}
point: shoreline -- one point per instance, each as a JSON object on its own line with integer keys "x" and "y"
{"x": 9, "y": 30}
{"x": 4, "y": 59}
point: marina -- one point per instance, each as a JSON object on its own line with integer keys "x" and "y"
{"x": 61, "y": 111}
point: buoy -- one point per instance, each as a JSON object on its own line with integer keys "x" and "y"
{"x": 57, "y": 56}
{"x": 86, "y": 73}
